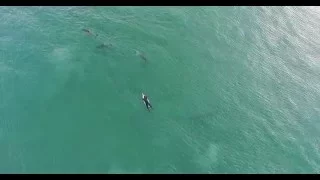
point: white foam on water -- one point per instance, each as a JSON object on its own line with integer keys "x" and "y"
{"x": 115, "y": 170}
{"x": 60, "y": 56}
{"x": 63, "y": 59}
{"x": 60, "y": 59}
{"x": 209, "y": 158}
{"x": 7, "y": 69}
{"x": 118, "y": 170}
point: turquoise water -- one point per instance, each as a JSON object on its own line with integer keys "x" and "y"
{"x": 234, "y": 90}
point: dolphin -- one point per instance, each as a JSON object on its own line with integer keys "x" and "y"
{"x": 103, "y": 45}
{"x": 141, "y": 55}
{"x": 89, "y": 32}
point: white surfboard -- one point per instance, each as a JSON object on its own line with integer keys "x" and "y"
{"x": 144, "y": 96}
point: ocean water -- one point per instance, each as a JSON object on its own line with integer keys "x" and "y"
{"x": 234, "y": 89}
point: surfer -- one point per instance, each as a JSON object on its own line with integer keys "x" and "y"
{"x": 146, "y": 102}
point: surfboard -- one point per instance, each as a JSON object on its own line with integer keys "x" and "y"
{"x": 143, "y": 97}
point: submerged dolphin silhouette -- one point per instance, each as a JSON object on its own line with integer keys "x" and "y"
{"x": 103, "y": 45}
{"x": 141, "y": 55}
{"x": 89, "y": 32}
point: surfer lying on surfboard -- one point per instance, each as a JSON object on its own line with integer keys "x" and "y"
{"x": 146, "y": 102}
